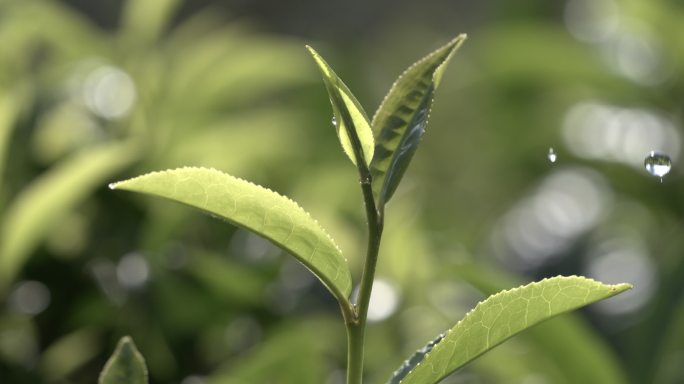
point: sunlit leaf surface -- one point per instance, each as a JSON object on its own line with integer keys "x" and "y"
{"x": 342, "y": 99}
{"x": 503, "y": 315}
{"x": 257, "y": 209}
{"x": 401, "y": 119}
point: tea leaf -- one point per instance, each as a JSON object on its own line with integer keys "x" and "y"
{"x": 257, "y": 209}
{"x": 346, "y": 108}
{"x": 567, "y": 342}
{"x": 401, "y": 119}
{"x": 414, "y": 360}
{"x": 503, "y": 315}
{"x": 125, "y": 366}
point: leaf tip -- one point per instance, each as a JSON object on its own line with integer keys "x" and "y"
{"x": 112, "y": 186}
{"x": 312, "y": 51}
{"x": 618, "y": 288}
{"x": 126, "y": 363}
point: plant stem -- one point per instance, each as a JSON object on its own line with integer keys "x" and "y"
{"x": 356, "y": 330}
{"x": 356, "y": 323}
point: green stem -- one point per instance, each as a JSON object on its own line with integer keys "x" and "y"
{"x": 356, "y": 321}
{"x": 356, "y": 330}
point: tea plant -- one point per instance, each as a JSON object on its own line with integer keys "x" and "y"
{"x": 381, "y": 149}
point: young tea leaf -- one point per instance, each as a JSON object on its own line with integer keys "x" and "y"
{"x": 125, "y": 366}
{"x": 346, "y": 108}
{"x": 257, "y": 209}
{"x": 401, "y": 119}
{"x": 503, "y": 315}
{"x": 412, "y": 361}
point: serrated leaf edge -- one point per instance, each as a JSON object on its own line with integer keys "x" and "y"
{"x": 342, "y": 90}
{"x": 241, "y": 180}
{"x": 616, "y": 288}
{"x": 420, "y": 353}
{"x": 457, "y": 41}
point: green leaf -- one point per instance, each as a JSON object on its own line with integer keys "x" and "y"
{"x": 9, "y": 111}
{"x": 413, "y": 361}
{"x": 257, "y": 209}
{"x": 503, "y": 315}
{"x": 146, "y": 20}
{"x": 347, "y": 111}
{"x": 568, "y": 343}
{"x": 52, "y": 195}
{"x": 126, "y": 366}
{"x": 401, "y": 119}
{"x": 69, "y": 353}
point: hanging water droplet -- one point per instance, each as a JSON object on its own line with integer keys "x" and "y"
{"x": 112, "y": 185}
{"x": 658, "y": 164}
{"x": 552, "y": 155}
{"x": 334, "y": 121}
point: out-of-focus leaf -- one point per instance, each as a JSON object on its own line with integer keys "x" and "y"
{"x": 125, "y": 366}
{"x": 247, "y": 132}
{"x": 227, "y": 66}
{"x": 257, "y": 209}
{"x": 67, "y": 33}
{"x": 49, "y": 197}
{"x": 18, "y": 339}
{"x": 503, "y": 315}
{"x": 413, "y": 361}
{"x": 9, "y": 110}
{"x": 291, "y": 354}
{"x": 62, "y": 130}
{"x": 68, "y": 354}
{"x": 354, "y": 130}
{"x": 228, "y": 279}
{"x": 145, "y": 20}
{"x": 401, "y": 119}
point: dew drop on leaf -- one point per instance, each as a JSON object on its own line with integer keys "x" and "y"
{"x": 334, "y": 121}
{"x": 658, "y": 164}
{"x": 552, "y": 155}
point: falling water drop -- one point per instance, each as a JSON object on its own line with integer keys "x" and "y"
{"x": 334, "y": 121}
{"x": 552, "y": 155}
{"x": 658, "y": 164}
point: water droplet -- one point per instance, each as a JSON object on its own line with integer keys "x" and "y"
{"x": 112, "y": 185}
{"x": 334, "y": 121}
{"x": 552, "y": 155}
{"x": 658, "y": 164}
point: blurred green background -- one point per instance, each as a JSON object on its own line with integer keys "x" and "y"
{"x": 96, "y": 91}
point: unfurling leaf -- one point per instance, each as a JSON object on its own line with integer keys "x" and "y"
{"x": 125, "y": 366}
{"x": 351, "y": 122}
{"x": 503, "y": 315}
{"x": 400, "y": 121}
{"x": 257, "y": 209}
